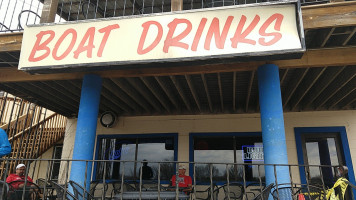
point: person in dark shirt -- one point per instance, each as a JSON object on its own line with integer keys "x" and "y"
{"x": 147, "y": 172}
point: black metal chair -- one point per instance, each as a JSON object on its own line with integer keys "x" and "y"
{"x": 30, "y": 192}
{"x": 233, "y": 190}
{"x": 265, "y": 193}
{"x": 117, "y": 188}
{"x": 46, "y": 187}
{"x": 286, "y": 191}
{"x": 206, "y": 194}
{"x": 4, "y": 189}
{"x": 62, "y": 192}
{"x": 80, "y": 193}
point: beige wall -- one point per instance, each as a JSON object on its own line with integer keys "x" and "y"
{"x": 183, "y": 125}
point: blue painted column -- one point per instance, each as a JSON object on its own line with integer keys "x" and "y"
{"x": 86, "y": 129}
{"x": 273, "y": 134}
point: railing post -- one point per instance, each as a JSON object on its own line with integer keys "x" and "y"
{"x": 49, "y": 11}
{"x": 176, "y": 5}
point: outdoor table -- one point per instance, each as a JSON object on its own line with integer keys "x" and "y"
{"x": 164, "y": 195}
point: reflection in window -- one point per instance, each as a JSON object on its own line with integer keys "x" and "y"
{"x": 321, "y": 151}
{"x": 226, "y": 149}
{"x": 152, "y": 149}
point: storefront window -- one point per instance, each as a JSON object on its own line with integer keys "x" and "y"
{"x": 150, "y": 148}
{"x": 233, "y": 149}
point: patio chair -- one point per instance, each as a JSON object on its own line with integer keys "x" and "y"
{"x": 30, "y": 192}
{"x": 206, "y": 194}
{"x": 61, "y": 192}
{"x": 98, "y": 187}
{"x": 80, "y": 193}
{"x": 233, "y": 191}
{"x": 46, "y": 187}
{"x": 117, "y": 188}
{"x": 265, "y": 193}
{"x": 149, "y": 185}
{"x": 286, "y": 192}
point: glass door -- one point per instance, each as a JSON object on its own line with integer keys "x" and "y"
{"x": 322, "y": 149}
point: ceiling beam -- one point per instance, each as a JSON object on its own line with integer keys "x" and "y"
{"x": 143, "y": 90}
{"x": 181, "y": 92}
{"x": 329, "y": 15}
{"x": 312, "y": 58}
{"x": 168, "y": 92}
{"x": 124, "y": 86}
{"x": 336, "y": 87}
{"x": 293, "y": 85}
{"x": 156, "y": 93}
{"x": 205, "y": 83}
{"x": 249, "y": 88}
{"x": 221, "y": 93}
{"x": 193, "y": 91}
{"x": 308, "y": 84}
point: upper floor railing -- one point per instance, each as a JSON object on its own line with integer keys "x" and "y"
{"x": 208, "y": 180}
{"x": 15, "y": 14}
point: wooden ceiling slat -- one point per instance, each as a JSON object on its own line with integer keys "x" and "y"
{"x": 181, "y": 92}
{"x": 156, "y": 93}
{"x": 76, "y": 85}
{"x": 63, "y": 90}
{"x": 111, "y": 103}
{"x": 24, "y": 88}
{"x": 346, "y": 77}
{"x": 234, "y": 92}
{"x": 347, "y": 39}
{"x": 206, "y": 88}
{"x": 325, "y": 39}
{"x": 12, "y": 90}
{"x": 221, "y": 92}
{"x": 168, "y": 92}
{"x": 343, "y": 93}
{"x": 293, "y": 85}
{"x": 252, "y": 77}
{"x": 49, "y": 94}
{"x": 132, "y": 93}
{"x": 193, "y": 91}
{"x": 141, "y": 88}
{"x": 353, "y": 100}
{"x": 114, "y": 90}
{"x": 283, "y": 77}
{"x": 329, "y": 76}
{"x": 307, "y": 85}
{"x": 54, "y": 91}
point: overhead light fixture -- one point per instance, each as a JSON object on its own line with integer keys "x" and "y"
{"x": 107, "y": 119}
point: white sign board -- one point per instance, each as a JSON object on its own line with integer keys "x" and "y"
{"x": 232, "y": 31}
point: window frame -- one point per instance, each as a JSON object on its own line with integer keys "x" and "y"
{"x": 299, "y": 131}
{"x": 214, "y": 134}
{"x": 130, "y": 136}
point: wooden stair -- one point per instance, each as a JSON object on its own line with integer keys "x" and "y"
{"x": 31, "y": 130}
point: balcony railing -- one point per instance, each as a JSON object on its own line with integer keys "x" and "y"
{"x": 210, "y": 181}
{"x": 15, "y": 14}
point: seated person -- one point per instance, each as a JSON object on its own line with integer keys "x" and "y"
{"x": 17, "y": 181}
{"x": 184, "y": 181}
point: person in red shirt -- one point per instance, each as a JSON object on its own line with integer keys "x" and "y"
{"x": 18, "y": 177}
{"x": 17, "y": 181}
{"x": 184, "y": 181}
